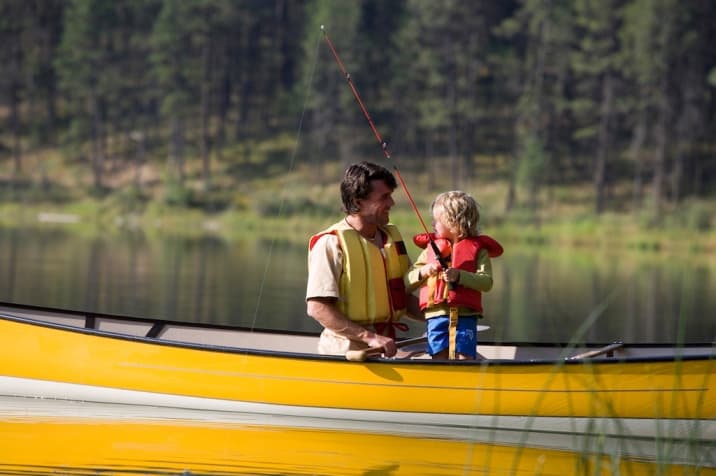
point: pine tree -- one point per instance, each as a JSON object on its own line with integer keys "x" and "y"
{"x": 594, "y": 63}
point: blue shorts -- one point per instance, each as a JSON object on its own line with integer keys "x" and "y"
{"x": 465, "y": 338}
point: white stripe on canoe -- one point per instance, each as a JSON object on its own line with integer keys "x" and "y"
{"x": 46, "y": 399}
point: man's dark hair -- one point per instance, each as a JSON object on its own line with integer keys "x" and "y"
{"x": 356, "y": 184}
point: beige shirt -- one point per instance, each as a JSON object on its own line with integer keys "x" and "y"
{"x": 325, "y": 265}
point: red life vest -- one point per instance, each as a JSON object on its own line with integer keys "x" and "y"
{"x": 463, "y": 256}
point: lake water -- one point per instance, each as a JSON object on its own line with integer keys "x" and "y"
{"x": 540, "y": 294}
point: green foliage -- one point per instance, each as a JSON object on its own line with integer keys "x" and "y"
{"x": 583, "y": 94}
{"x": 712, "y": 77}
{"x": 533, "y": 161}
{"x": 128, "y": 200}
{"x": 172, "y": 55}
{"x": 177, "y": 194}
{"x": 693, "y": 215}
{"x": 266, "y": 205}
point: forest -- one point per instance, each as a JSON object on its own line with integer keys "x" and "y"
{"x": 195, "y": 97}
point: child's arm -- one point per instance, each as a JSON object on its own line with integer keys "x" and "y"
{"x": 481, "y": 279}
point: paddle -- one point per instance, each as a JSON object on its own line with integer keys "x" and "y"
{"x": 609, "y": 349}
{"x": 361, "y": 355}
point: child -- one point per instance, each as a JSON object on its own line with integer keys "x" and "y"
{"x": 453, "y": 287}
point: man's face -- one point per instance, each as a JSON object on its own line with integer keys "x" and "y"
{"x": 376, "y": 207}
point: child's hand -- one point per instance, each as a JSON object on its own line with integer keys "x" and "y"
{"x": 451, "y": 275}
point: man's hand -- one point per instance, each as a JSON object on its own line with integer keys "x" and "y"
{"x": 430, "y": 269}
{"x": 377, "y": 340}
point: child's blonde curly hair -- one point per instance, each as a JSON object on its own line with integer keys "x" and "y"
{"x": 459, "y": 211}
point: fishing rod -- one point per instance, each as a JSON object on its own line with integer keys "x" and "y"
{"x": 384, "y": 147}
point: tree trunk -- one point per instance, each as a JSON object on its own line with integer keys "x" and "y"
{"x": 140, "y": 151}
{"x": 535, "y": 125}
{"x": 204, "y": 142}
{"x": 688, "y": 128}
{"x": 635, "y": 152}
{"x": 452, "y": 132}
{"x": 16, "y": 133}
{"x": 97, "y": 159}
{"x": 177, "y": 146}
{"x": 604, "y": 143}
{"x": 431, "y": 169}
{"x": 454, "y": 157}
{"x": 223, "y": 104}
{"x": 511, "y": 198}
{"x": 660, "y": 150}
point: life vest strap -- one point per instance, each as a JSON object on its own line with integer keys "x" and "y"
{"x": 388, "y": 328}
{"x": 452, "y": 333}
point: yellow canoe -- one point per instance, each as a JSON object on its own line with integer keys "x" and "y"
{"x": 71, "y": 355}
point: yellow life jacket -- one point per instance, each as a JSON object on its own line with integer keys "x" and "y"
{"x": 372, "y": 286}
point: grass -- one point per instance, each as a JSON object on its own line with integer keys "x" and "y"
{"x": 297, "y": 216}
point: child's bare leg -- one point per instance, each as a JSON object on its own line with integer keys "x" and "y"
{"x": 442, "y": 355}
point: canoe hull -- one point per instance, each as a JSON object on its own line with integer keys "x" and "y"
{"x": 653, "y": 389}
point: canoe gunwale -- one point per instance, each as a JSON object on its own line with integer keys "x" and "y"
{"x": 156, "y": 325}
{"x": 163, "y": 322}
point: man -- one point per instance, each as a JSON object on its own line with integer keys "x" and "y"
{"x": 356, "y": 267}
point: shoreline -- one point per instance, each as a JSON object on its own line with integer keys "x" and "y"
{"x": 609, "y": 233}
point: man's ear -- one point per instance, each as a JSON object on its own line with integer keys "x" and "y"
{"x": 356, "y": 204}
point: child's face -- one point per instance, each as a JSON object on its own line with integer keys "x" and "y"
{"x": 442, "y": 230}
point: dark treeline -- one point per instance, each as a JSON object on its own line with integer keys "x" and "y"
{"x": 618, "y": 95}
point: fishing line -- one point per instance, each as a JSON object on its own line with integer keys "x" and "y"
{"x": 291, "y": 165}
{"x": 383, "y": 145}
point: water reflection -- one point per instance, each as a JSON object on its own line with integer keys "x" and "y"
{"x": 550, "y": 293}
{"x": 119, "y": 446}
{"x": 540, "y": 295}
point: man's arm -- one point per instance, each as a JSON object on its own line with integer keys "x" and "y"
{"x": 325, "y": 311}
{"x": 413, "y": 278}
{"x": 413, "y": 310}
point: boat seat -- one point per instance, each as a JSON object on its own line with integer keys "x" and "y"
{"x": 155, "y": 329}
